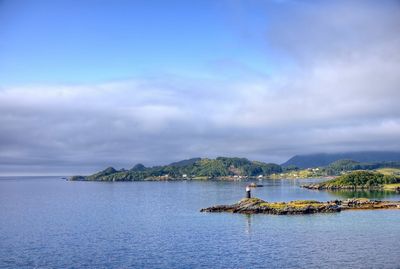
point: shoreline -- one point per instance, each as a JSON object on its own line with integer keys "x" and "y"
{"x": 226, "y": 179}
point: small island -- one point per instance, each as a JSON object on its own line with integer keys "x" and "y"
{"x": 258, "y": 206}
{"x": 359, "y": 180}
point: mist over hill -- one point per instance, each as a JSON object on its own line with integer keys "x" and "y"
{"x": 323, "y": 159}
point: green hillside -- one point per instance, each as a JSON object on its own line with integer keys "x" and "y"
{"x": 219, "y": 168}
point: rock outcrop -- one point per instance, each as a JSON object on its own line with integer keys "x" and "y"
{"x": 258, "y": 206}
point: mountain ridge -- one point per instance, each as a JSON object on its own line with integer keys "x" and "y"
{"x": 324, "y": 159}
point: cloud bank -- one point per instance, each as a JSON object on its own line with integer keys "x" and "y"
{"x": 338, "y": 92}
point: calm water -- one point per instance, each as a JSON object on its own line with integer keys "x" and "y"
{"x": 46, "y": 222}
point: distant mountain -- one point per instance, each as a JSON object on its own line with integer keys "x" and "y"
{"x": 324, "y": 159}
{"x": 138, "y": 167}
{"x": 185, "y": 162}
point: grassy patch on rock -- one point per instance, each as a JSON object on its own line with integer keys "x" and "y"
{"x": 299, "y": 204}
{"x": 392, "y": 187}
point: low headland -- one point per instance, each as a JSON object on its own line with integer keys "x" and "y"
{"x": 258, "y": 206}
{"x": 359, "y": 180}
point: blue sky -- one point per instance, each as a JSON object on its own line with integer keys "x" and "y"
{"x": 89, "y": 84}
{"x": 89, "y": 41}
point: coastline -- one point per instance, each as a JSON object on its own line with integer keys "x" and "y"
{"x": 199, "y": 178}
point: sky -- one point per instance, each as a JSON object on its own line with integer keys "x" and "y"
{"x": 96, "y": 83}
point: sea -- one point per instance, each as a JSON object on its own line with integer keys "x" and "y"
{"x": 49, "y": 222}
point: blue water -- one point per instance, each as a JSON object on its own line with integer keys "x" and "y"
{"x": 46, "y": 222}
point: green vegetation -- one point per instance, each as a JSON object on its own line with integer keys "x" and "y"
{"x": 200, "y": 169}
{"x": 359, "y": 179}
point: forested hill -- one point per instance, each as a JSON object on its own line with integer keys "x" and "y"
{"x": 324, "y": 159}
{"x": 195, "y": 168}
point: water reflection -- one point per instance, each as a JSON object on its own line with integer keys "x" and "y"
{"x": 248, "y": 223}
{"x": 375, "y": 195}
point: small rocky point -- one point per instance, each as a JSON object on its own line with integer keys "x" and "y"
{"x": 258, "y": 206}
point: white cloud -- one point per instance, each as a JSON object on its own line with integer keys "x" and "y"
{"x": 342, "y": 95}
